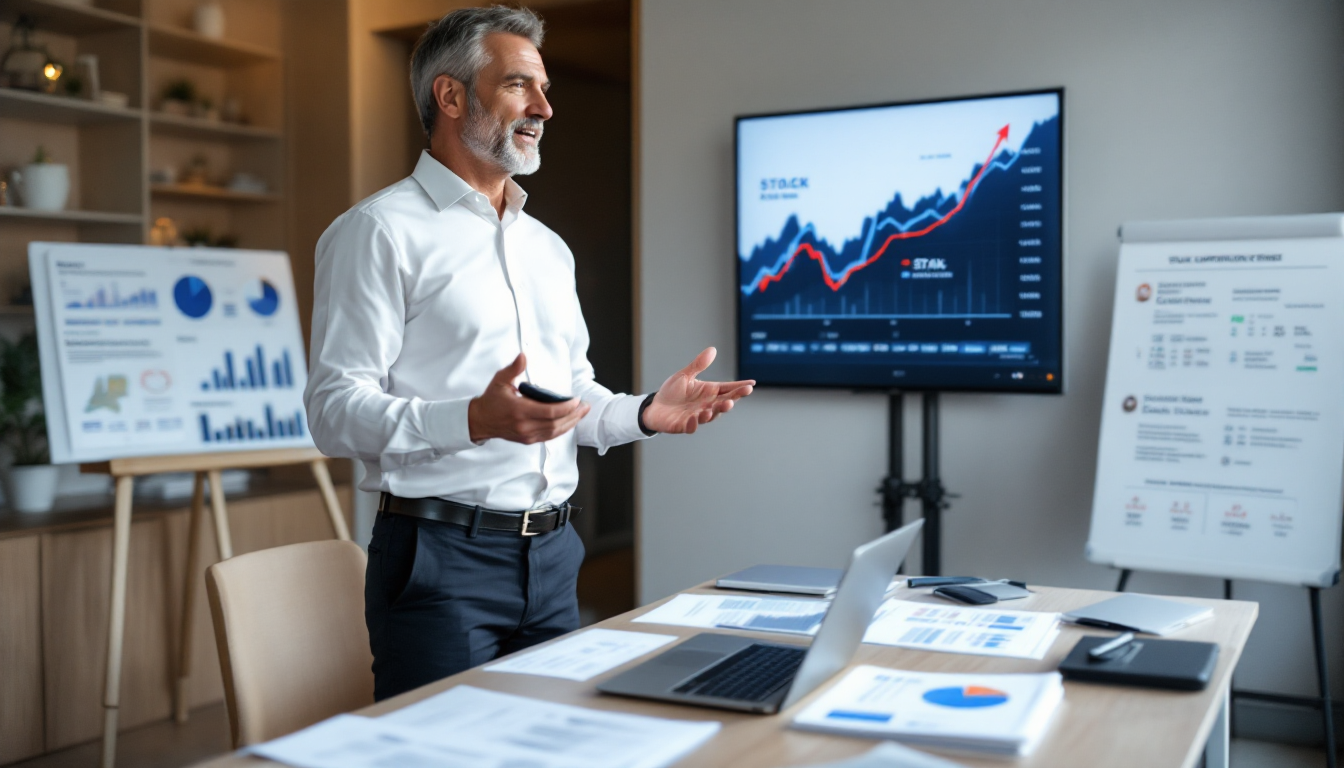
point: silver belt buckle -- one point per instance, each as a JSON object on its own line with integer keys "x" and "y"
{"x": 527, "y": 520}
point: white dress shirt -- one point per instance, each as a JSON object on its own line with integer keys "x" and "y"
{"x": 422, "y": 293}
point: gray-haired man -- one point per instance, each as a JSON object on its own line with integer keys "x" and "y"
{"x": 433, "y": 298}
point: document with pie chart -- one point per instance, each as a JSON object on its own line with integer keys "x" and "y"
{"x": 1001, "y": 714}
{"x": 153, "y": 351}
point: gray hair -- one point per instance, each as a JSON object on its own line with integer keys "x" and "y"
{"x": 455, "y": 46}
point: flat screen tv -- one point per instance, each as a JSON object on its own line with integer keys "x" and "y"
{"x": 908, "y": 246}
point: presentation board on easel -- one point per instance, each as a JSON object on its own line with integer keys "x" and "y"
{"x": 1222, "y": 430}
{"x": 151, "y": 351}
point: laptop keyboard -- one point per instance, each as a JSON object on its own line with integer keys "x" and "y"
{"x": 751, "y": 674}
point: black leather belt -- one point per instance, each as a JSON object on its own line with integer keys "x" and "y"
{"x": 531, "y": 522}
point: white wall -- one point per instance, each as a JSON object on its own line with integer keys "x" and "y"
{"x": 1172, "y": 109}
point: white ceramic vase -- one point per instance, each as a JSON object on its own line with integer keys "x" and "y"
{"x": 32, "y": 488}
{"x": 209, "y": 19}
{"x": 43, "y": 186}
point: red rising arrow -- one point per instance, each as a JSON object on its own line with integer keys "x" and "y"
{"x": 836, "y": 283}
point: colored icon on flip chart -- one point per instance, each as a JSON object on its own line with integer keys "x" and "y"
{"x": 111, "y": 298}
{"x": 262, "y": 297}
{"x": 107, "y": 393}
{"x": 239, "y": 429}
{"x": 966, "y": 697}
{"x": 192, "y": 296}
{"x": 252, "y": 372}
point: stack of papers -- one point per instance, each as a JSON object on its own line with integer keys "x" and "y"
{"x": 468, "y": 727}
{"x": 891, "y": 755}
{"x": 954, "y": 629}
{"x": 763, "y": 614}
{"x": 583, "y": 656}
{"x": 1002, "y": 714}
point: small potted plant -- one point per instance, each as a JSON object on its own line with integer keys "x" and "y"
{"x": 179, "y": 98}
{"x": 30, "y": 481}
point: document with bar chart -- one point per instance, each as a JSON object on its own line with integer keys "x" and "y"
{"x": 912, "y": 246}
{"x": 154, "y": 351}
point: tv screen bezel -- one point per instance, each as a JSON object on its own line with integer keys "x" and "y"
{"x": 1057, "y": 388}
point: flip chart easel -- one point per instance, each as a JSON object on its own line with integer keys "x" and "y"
{"x": 205, "y": 466}
{"x": 1222, "y": 436}
{"x": 167, "y": 360}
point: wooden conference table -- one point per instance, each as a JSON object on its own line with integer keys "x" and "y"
{"x": 1096, "y": 726}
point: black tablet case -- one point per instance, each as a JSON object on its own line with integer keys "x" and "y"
{"x": 1177, "y": 664}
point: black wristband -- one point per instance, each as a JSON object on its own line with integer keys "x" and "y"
{"x": 647, "y": 402}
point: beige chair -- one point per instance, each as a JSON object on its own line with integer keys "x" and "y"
{"x": 293, "y": 647}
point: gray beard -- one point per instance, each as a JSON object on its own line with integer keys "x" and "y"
{"x": 493, "y": 143}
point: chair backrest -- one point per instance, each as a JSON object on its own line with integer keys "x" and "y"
{"x": 293, "y": 647}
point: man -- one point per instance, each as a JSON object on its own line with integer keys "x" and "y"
{"x": 433, "y": 298}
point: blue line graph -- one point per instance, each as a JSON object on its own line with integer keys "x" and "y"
{"x": 929, "y": 216}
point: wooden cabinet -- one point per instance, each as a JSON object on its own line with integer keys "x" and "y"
{"x": 54, "y": 592}
{"x": 21, "y": 719}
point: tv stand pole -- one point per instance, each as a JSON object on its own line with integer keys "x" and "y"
{"x": 933, "y": 496}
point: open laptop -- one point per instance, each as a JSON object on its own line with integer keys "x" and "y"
{"x": 745, "y": 674}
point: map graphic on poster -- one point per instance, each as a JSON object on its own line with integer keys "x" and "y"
{"x": 1222, "y": 433}
{"x": 154, "y": 351}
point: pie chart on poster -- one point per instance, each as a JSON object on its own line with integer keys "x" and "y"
{"x": 966, "y": 697}
{"x": 262, "y": 297}
{"x": 192, "y": 296}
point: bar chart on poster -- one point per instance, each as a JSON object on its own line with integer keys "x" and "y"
{"x": 1222, "y": 429}
{"x": 155, "y": 351}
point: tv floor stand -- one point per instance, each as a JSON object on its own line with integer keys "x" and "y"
{"x": 932, "y": 495}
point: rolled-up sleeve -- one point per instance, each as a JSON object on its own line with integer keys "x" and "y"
{"x": 359, "y": 317}
{"x": 614, "y": 419}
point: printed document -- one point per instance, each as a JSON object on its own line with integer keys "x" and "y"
{"x": 956, "y": 629}
{"x": 891, "y": 755}
{"x": 763, "y": 614}
{"x": 585, "y": 655}
{"x": 467, "y": 727}
{"x": 1002, "y": 714}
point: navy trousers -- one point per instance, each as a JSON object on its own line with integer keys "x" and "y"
{"x": 438, "y": 601}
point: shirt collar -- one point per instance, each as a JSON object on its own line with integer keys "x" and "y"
{"x": 446, "y": 188}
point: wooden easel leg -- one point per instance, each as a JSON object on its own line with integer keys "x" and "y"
{"x": 189, "y": 596}
{"x": 220, "y": 514}
{"x": 116, "y": 630}
{"x": 333, "y": 503}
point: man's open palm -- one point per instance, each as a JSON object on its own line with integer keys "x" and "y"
{"x": 684, "y": 402}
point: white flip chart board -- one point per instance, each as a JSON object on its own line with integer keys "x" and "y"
{"x": 152, "y": 351}
{"x": 1222, "y": 429}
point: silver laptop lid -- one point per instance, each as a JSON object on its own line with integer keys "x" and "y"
{"x": 870, "y": 571}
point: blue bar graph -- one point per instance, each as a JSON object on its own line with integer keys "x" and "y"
{"x": 105, "y": 299}
{"x": 251, "y": 373}
{"x": 241, "y": 429}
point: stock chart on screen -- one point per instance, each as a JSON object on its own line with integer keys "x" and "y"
{"x": 911, "y": 246}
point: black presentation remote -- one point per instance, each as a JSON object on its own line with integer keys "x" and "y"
{"x": 533, "y": 392}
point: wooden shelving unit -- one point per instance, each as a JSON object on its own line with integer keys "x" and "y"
{"x": 142, "y": 45}
{"x": 211, "y": 193}
{"x": 112, "y": 152}
{"x": 197, "y": 128}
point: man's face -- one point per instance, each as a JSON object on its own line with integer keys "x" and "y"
{"x": 507, "y": 109}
